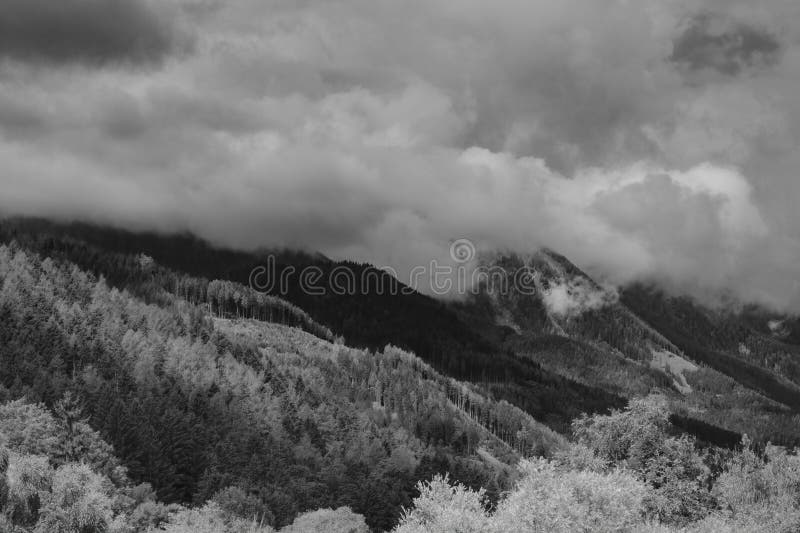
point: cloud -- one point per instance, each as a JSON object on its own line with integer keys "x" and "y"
{"x": 712, "y": 42}
{"x": 576, "y": 296}
{"x": 92, "y": 31}
{"x": 643, "y": 140}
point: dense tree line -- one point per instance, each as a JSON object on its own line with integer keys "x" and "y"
{"x": 193, "y": 403}
{"x": 587, "y": 372}
{"x": 740, "y": 338}
{"x": 57, "y": 475}
{"x": 608, "y": 346}
{"x": 722, "y": 343}
{"x": 152, "y": 398}
{"x": 368, "y": 318}
{"x": 627, "y": 473}
{"x": 553, "y": 377}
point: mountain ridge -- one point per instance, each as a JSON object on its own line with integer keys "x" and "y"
{"x": 600, "y": 349}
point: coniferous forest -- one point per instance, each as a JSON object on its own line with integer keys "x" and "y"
{"x": 139, "y": 397}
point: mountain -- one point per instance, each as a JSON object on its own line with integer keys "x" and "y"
{"x": 733, "y": 369}
{"x": 195, "y": 398}
{"x": 199, "y": 390}
{"x": 369, "y": 318}
{"x": 554, "y": 342}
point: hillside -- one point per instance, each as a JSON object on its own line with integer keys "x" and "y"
{"x": 368, "y": 319}
{"x": 205, "y": 389}
{"x": 718, "y": 371}
{"x": 572, "y": 346}
{"x": 194, "y": 401}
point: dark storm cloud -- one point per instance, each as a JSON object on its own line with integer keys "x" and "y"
{"x": 638, "y": 139}
{"x": 711, "y": 42}
{"x": 91, "y": 31}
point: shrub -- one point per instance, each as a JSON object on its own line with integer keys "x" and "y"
{"x": 445, "y": 507}
{"x": 549, "y": 498}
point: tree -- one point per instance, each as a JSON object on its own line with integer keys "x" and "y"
{"x": 638, "y": 438}
{"x": 78, "y": 501}
{"x": 210, "y": 519}
{"x": 236, "y": 503}
{"x": 549, "y": 498}
{"x": 28, "y": 428}
{"x": 761, "y": 490}
{"x": 77, "y": 441}
{"x": 28, "y": 478}
{"x": 442, "y": 506}
{"x": 341, "y": 520}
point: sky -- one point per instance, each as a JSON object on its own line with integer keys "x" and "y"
{"x": 643, "y": 139}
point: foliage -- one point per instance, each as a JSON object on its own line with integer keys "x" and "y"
{"x": 78, "y": 500}
{"x": 195, "y": 404}
{"x": 766, "y": 487}
{"x": 341, "y": 520}
{"x": 211, "y": 519}
{"x": 382, "y": 311}
{"x": 549, "y": 498}
{"x": 729, "y": 342}
{"x": 28, "y": 428}
{"x": 144, "y": 399}
{"x": 638, "y": 439}
{"x": 236, "y": 503}
{"x": 627, "y": 476}
{"x": 442, "y": 506}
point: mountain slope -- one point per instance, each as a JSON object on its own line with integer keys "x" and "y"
{"x": 368, "y": 318}
{"x": 570, "y": 346}
{"x": 194, "y": 402}
{"x": 625, "y": 343}
{"x": 748, "y": 334}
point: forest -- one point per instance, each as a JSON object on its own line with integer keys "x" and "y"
{"x": 367, "y": 319}
{"x": 729, "y": 376}
{"x": 622, "y": 472}
{"x": 135, "y": 397}
{"x": 625, "y": 472}
{"x": 594, "y": 361}
{"x": 193, "y": 403}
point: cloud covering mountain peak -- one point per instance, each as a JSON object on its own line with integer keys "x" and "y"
{"x": 643, "y": 139}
